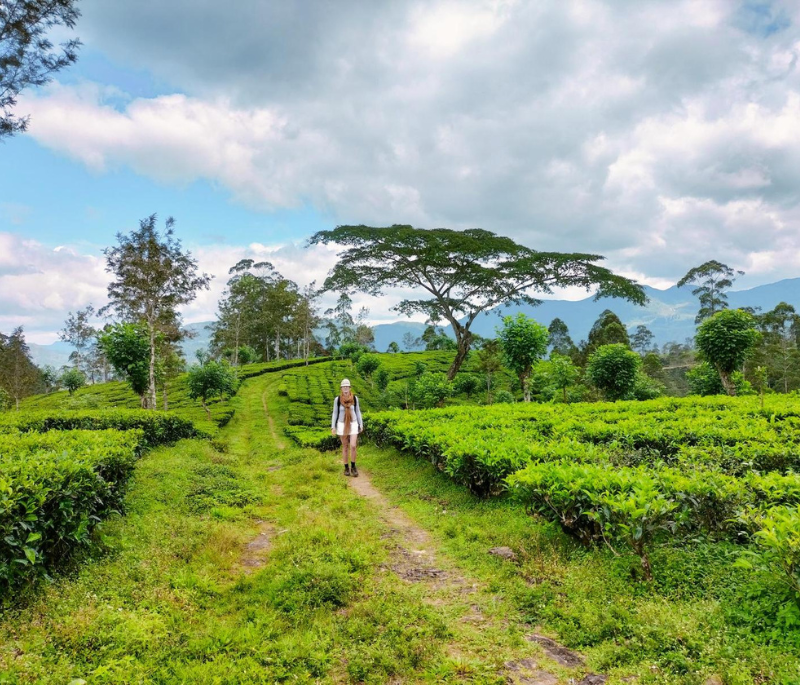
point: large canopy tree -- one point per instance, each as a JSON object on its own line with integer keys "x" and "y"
{"x": 462, "y": 273}
{"x": 712, "y": 280}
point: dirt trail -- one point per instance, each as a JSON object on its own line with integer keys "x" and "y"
{"x": 414, "y": 560}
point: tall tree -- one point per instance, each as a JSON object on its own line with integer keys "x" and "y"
{"x": 27, "y": 57}
{"x": 642, "y": 340}
{"x": 463, "y": 273}
{"x": 79, "y": 333}
{"x": 152, "y": 277}
{"x": 712, "y": 280}
{"x": 19, "y": 376}
{"x": 560, "y": 340}
{"x": 307, "y": 314}
{"x": 780, "y": 349}
{"x": 340, "y": 323}
{"x": 364, "y": 335}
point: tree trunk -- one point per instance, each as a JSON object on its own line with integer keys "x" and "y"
{"x": 463, "y": 340}
{"x": 203, "y": 402}
{"x": 526, "y": 387}
{"x": 152, "y": 400}
{"x": 236, "y": 346}
{"x": 727, "y": 383}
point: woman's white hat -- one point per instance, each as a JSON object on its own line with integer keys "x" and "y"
{"x": 345, "y": 383}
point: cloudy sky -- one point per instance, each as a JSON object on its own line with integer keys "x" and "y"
{"x": 660, "y": 134}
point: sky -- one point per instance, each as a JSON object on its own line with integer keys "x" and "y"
{"x": 659, "y": 134}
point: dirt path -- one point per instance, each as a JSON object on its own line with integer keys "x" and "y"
{"x": 414, "y": 559}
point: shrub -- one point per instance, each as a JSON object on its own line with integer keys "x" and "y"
{"x": 503, "y": 397}
{"x": 613, "y": 369}
{"x": 54, "y": 489}
{"x": 382, "y": 379}
{"x": 368, "y": 364}
{"x": 466, "y": 384}
{"x": 157, "y": 427}
{"x": 704, "y": 380}
{"x": 212, "y": 379}
{"x": 646, "y": 388}
{"x": 777, "y": 546}
{"x": 72, "y": 380}
{"x": 431, "y": 390}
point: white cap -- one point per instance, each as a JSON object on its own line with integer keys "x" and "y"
{"x": 345, "y": 383}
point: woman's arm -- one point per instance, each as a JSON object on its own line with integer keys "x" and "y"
{"x": 335, "y": 412}
{"x": 358, "y": 416}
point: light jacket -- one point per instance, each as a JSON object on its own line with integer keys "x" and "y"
{"x": 355, "y": 414}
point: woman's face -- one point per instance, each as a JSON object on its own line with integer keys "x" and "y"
{"x": 346, "y": 390}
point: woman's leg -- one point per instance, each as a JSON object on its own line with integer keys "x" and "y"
{"x": 353, "y": 447}
{"x": 345, "y": 446}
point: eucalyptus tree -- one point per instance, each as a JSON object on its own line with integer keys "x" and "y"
{"x": 151, "y": 277}
{"x": 19, "y": 376}
{"x": 27, "y": 56}
{"x": 459, "y": 274}
{"x": 81, "y": 335}
{"x": 712, "y": 279}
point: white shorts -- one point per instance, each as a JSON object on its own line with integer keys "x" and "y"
{"x": 353, "y": 428}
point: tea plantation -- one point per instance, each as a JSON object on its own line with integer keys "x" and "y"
{"x": 661, "y": 539}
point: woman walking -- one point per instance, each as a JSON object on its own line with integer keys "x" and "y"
{"x": 347, "y": 423}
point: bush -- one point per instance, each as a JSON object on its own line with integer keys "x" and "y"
{"x": 431, "y": 390}
{"x": 503, "y": 397}
{"x": 72, "y": 380}
{"x": 212, "y": 379}
{"x": 382, "y": 379}
{"x": 466, "y": 384}
{"x": 54, "y": 489}
{"x": 613, "y": 369}
{"x": 777, "y": 546}
{"x": 646, "y": 388}
{"x": 367, "y": 364}
{"x": 704, "y": 380}
{"x": 157, "y": 427}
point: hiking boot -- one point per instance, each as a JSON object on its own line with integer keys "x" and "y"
{"x": 347, "y": 470}
{"x": 354, "y": 471}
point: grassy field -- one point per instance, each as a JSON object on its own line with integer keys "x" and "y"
{"x": 248, "y": 559}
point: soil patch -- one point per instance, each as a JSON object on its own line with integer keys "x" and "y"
{"x": 256, "y": 551}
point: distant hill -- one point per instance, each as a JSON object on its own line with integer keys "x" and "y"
{"x": 669, "y": 315}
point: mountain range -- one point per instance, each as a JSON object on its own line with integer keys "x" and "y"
{"x": 669, "y": 314}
